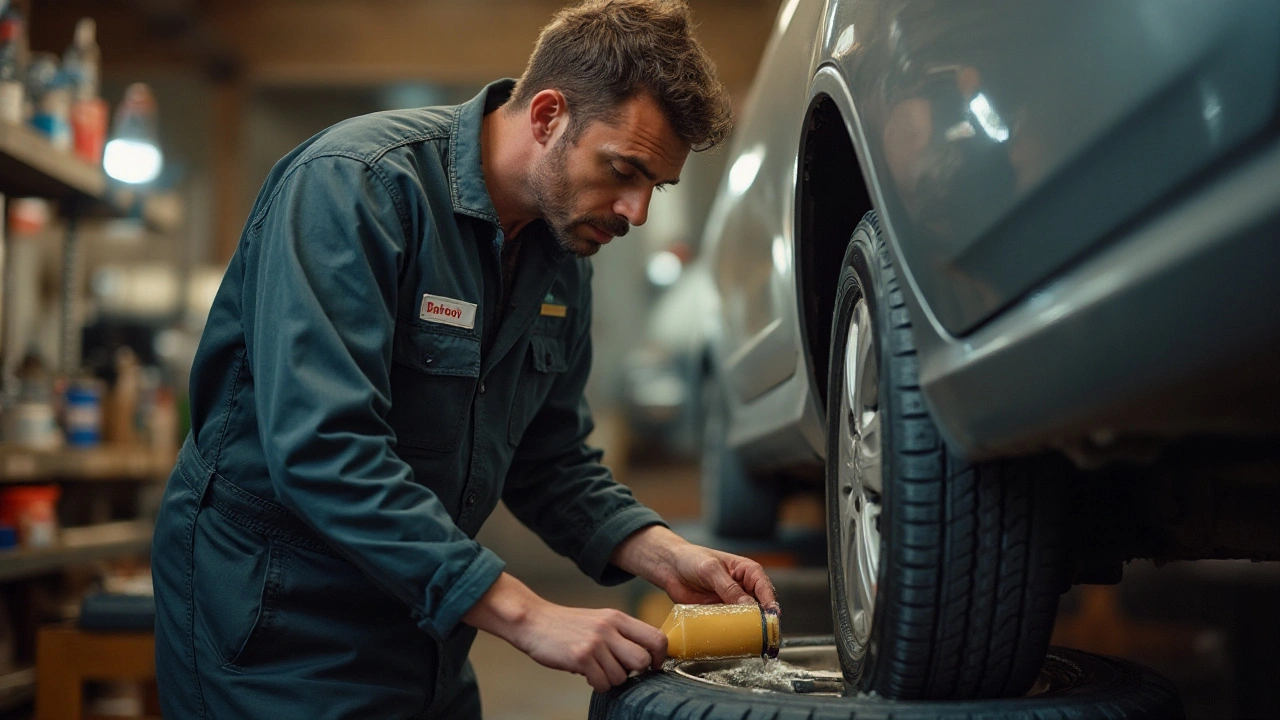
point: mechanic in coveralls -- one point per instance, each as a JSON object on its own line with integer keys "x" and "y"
{"x": 400, "y": 340}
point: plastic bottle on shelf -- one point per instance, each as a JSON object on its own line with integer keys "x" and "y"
{"x": 30, "y": 420}
{"x": 119, "y": 422}
{"x": 13, "y": 58}
{"x": 82, "y": 63}
{"x": 49, "y": 89}
{"x": 33, "y": 510}
{"x": 82, "y": 412}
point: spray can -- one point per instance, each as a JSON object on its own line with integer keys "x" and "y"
{"x": 705, "y": 632}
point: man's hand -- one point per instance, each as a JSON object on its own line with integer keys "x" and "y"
{"x": 691, "y": 573}
{"x": 603, "y": 645}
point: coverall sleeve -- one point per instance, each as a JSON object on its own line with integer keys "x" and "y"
{"x": 320, "y": 314}
{"x": 557, "y": 485}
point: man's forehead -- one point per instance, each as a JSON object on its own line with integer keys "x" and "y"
{"x": 640, "y": 130}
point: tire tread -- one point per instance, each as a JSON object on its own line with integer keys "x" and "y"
{"x": 973, "y": 548}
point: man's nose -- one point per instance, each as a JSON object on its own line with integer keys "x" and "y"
{"x": 634, "y": 206}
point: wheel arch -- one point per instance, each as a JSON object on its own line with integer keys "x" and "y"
{"x": 831, "y": 197}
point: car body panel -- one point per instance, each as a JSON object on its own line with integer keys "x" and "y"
{"x": 993, "y": 126}
{"x": 758, "y": 348}
{"x": 1045, "y": 245}
{"x": 754, "y": 208}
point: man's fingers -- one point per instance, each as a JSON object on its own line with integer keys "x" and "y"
{"x": 754, "y": 580}
{"x": 597, "y": 679}
{"x": 648, "y": 637}
{"x": 761, "y": 586}
{"x": 728, "y": 589}
{"x": 629, "y": 654}
{"x": 613, "y": 671}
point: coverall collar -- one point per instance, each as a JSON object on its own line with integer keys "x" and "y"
{"x": 469, "y": 193}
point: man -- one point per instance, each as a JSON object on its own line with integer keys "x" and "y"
{"x": 400, "y": 340}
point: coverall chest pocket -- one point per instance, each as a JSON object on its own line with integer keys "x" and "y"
{"x": 433, "y": 381}
{"x": 545, "y": 364}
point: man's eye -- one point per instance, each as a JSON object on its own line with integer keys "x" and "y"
{"x": 620, "y": 175}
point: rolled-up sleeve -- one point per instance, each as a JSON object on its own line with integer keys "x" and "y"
{"x": 557, "y": 485}
{"x": 325, "y": 255}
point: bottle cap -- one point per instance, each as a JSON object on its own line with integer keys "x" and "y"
{"x": 771, "y": 629}
{"x": 86, "y": 30}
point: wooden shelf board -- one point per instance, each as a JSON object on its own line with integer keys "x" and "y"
{"x": 106, "y": 462}
{"x": 77, "y": 546}
{"x": 31, "y": 166}
{"x": 16, "y": 687}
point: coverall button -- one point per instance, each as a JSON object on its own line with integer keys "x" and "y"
{"x": 481, "y": 388}
{"x": 471, "y": 499}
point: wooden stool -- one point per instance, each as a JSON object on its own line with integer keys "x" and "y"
{"x": 66, "y": 657}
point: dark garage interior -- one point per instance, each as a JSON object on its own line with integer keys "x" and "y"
{"x": 945, "y": 332}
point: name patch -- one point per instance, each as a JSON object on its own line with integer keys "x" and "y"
{"x": 448, "y": 311}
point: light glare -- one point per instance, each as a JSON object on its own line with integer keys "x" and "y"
{"x": 132, "y": 161}
{"x": 744, "y": 170}
{"x": 664, "y": 268}
{"x": 987, "y": 117}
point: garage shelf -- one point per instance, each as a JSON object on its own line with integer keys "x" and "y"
{"x": 30, "y": 166}
{"x": 76, "y": 546}
{"x": 16, "y": 687}
{"x": 106, "y": 462}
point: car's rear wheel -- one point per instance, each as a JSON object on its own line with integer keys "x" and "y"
{"x": 734, "y": 504}
{"x": 945, "y": 575}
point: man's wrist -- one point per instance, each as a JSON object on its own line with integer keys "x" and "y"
{"x": 503, "y": 609}
{"x": 648, "y": 553}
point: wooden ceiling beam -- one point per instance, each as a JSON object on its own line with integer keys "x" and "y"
{"x": 320, "y": 42}
{"x": 138, "y": 35}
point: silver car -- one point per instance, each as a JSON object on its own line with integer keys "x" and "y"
{"x": 1001, "y": 277}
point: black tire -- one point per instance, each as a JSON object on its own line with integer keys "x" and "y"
{"x": 969, "y": 555}
{"x": 734, "y": 504}
{"x": 1082, "y": 687}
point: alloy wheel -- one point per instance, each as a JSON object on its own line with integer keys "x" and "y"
{"x": 860, "y": 474}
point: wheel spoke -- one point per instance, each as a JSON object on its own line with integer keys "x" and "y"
{"x": 869, "y": 550}
{"x": 865, "y": 347}
{"x": 868, "y": 452}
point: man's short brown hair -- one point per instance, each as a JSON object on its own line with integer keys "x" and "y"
{"x": 600, "y": 53}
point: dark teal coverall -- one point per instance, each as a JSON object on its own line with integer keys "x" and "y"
{"x": 360, "y": 402}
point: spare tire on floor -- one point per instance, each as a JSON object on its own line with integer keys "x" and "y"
{"x": 1073, "y": 685}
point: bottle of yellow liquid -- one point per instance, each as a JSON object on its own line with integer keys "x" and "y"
{"x": 705, "y": 632}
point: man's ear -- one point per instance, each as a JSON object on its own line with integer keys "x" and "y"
{"x": 548, "y": 115}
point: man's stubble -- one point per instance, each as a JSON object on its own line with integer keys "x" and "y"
{"x": 553, "y": 196}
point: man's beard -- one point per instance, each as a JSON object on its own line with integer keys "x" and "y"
{"x": 554, "y": 200}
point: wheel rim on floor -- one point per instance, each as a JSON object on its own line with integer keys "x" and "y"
{"x": 860, "y": 475}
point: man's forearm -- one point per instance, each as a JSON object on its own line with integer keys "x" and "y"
{"x": 504, "y": 608}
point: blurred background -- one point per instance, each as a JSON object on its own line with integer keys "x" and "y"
{"x": 134, "y": 136}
